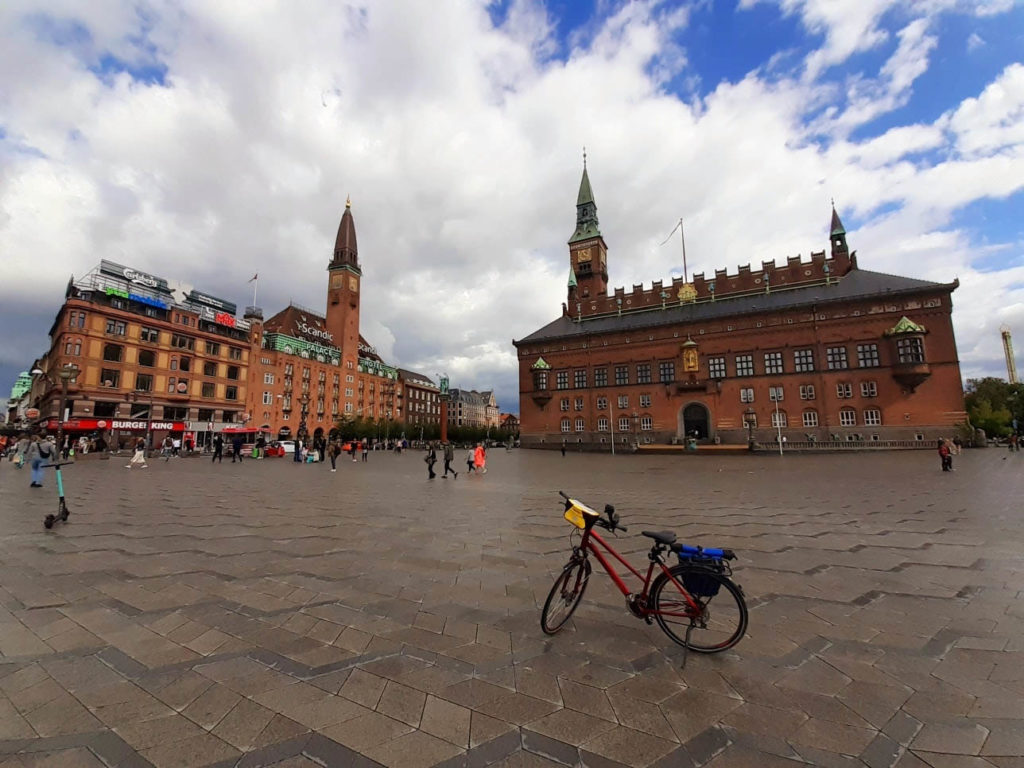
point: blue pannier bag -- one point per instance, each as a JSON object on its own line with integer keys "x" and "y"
{"x": 697, "y": 583}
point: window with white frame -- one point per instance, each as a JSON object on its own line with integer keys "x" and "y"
{"x": 602, "y": 424}
{"x": 580, "y": 425}
{"x": 646, "y": 423}
{"x": 667, "y": 372}
{"x": 600, "y": 377}
{"x": 348, "y": 407}
{"x": 716, "y": 367}
{"x": 645, "y": 401}
{"x": 872, "y": 417}
{"x": 779, "y": 419}
{"x": 810, "y": 418}
{"x": 580, "y": 379}
{"x": 623, "y": 401}
{"x": 566, "y": 425}
{"x": 268, "y": 398}
{"x": 562, "y": 380}
{"x": 836, "y": 357}
{"x": 578, "y": 404}
{"x": 744, "y": 365}
{"x": 268, "y": 378}
{"x": 867, "y": 355}
{"x": 844, "y": 390}
{"x": 848, "y": 417}
{"x": 622, "y": 374}
{"x": 643, "y": 373}
{"x": 803, "y": 360}
{"x": 772, "y": 362}
{"x": 868, "y": 389}
{"x": 747, "y": 395}
{"x": 564, "y": 404}
{"x": 806, "y": 391}
{"x": 602, "y": 403}
{"x": 624, "y": 424}
{"x": 775, "y": 394}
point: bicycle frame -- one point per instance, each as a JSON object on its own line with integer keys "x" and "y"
{"x": 587, "y": 545}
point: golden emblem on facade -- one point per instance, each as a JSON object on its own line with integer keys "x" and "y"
{"x": 687, "y": 294}
{"x": 690, "y": 360}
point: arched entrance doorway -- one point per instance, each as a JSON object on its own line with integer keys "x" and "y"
{"x": 695, "y": 421}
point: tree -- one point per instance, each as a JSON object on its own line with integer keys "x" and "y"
{"x": 993, "y": 405}
{"x": 995, "y": 422}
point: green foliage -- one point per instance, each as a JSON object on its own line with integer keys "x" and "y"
{"x": 992, "y": 404}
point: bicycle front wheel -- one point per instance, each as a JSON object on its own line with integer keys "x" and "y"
{"x": 565, "y": 595}
{"x": 721, "y": 619}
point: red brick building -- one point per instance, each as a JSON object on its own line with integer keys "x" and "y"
{"x": 816, "y": 350}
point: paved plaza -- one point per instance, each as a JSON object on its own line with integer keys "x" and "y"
{"x": 192, "y": 614}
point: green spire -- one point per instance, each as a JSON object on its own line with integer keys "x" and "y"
{"x": 905, "y": 325}
{"x": 572, "y": 278}
{"x": 586, "y": 194}
{"x": 586, "y": 210}
{"x": 837, "y": 225}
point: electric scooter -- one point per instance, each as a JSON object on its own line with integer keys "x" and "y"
{"x": 62, "y": 507}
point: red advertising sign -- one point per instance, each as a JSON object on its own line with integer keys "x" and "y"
{"x": 225, "y": 319}
{"x": 136, "y": 425}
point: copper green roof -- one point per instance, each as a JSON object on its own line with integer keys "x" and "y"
{"x": 586, "y": 212}
{"x": 541, "y": 365}
{"x": 905, "y": 325}
{"x": 572, "y": 278}
{"x": 837, "y": 225}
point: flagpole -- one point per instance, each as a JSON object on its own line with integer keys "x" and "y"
{"x": 255, "y": 285}
{"x": 682, "y": 237}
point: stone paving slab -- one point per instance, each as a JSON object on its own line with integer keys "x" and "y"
{"x": 270, "y": 613}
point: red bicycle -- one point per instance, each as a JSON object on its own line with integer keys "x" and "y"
{"x": 697, "y": 595}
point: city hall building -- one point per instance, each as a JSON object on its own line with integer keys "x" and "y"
{"x": 810, "y": 352}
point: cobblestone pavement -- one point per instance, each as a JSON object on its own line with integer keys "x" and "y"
{"x": 279, "y": 614}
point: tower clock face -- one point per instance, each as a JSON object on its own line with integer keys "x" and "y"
{"x": 583, "y": 256}
{"x": 353, "y": 284}
{"x": 336, "y": 281}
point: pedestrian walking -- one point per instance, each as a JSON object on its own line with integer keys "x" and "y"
{"x": 139, "y": 455}
{"x": 333, "y": 450}
{"x": 218, "y": 449}
{"x": 958, "y": 445}
{"x": 470, "y": 461}
{"x": 944, "y": 455}
{"x": 449, "y": 455}
{"x": 236, "y": 449}
{"x": 297, "y": 454}
{"x": 480, "y": 459}
{"x": 21, "y": 450}
{"x": 40, "y": 451}
{"x": 167, "y": 448}
{"x": 354, "y": 446}
{"x": 176, "y": 447}
{"x": 365, "y": 445}
{"x": 563, "y": 447}
{"x": 431, "y": 459}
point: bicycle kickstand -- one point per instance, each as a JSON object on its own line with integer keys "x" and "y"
{"x": 686, "y": 648}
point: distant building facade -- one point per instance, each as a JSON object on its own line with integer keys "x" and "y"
{"x": 816, "y": 350}
{"x": 422, "y": 399}
{"x": 469, "y": 408}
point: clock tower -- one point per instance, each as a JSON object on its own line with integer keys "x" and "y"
{"x": 344, "y": 276}
{"x": 588, "y": 254}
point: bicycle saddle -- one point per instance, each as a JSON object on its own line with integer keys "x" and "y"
{"x": 662, "y": 537}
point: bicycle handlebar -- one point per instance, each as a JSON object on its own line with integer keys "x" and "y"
{"x": 57, "y": 464}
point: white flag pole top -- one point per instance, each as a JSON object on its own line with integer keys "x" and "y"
{"x": 255, "y": 284}
{"x": 682, "y": 237}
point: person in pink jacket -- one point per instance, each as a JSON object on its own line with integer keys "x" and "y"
{"x": 480, "y": 459}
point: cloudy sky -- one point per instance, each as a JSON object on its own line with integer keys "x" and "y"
{"x": 205, "y": 141}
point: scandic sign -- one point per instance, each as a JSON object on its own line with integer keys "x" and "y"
{"x": 93, "y": 424}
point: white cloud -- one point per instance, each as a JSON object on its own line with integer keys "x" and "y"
{"x": 975, "y": 41}
{"x": 459, "y": 143}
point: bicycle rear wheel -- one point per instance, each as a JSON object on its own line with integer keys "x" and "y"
{"x": 722, "y": 619}
{"x": 565, "y": 595}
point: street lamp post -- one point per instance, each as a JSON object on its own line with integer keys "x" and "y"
{"x": 751, "y": 417}
{"x": 65, "y": 373}
{"x": 636, "y": 431}
{"x": 304, "y": 401}
{"x": 387, "y": 428}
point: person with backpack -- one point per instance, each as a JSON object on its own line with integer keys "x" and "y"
{"x": 218, "y": 449}
{"x": 40, "y": 451}
{"x": 471, "y": 461}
